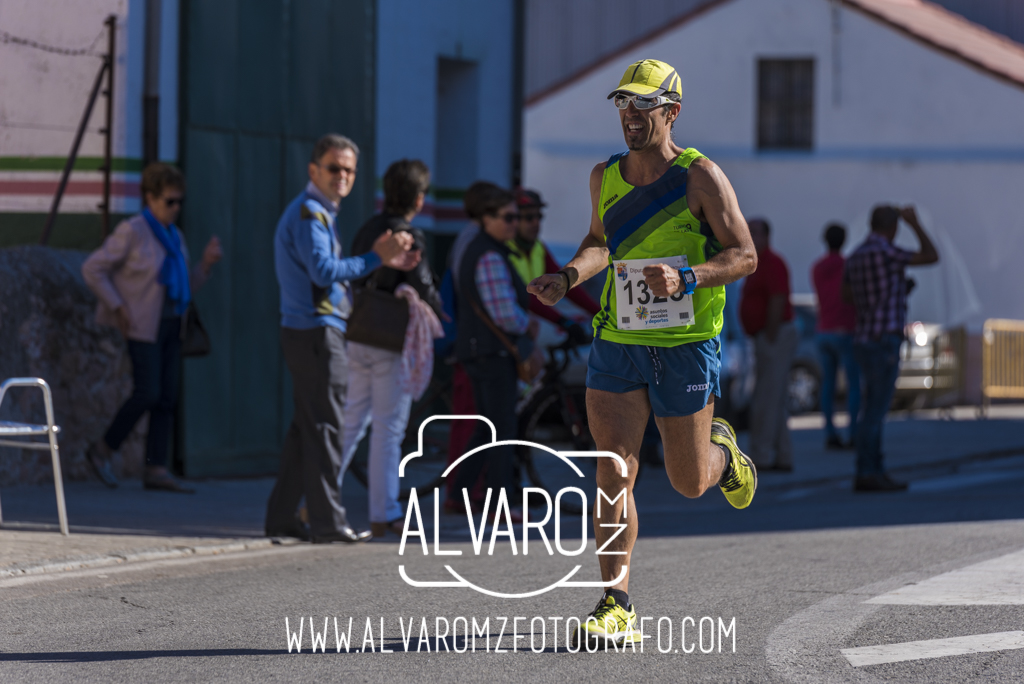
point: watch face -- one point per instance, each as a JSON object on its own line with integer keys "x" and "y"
{"x": 689, "y": 277}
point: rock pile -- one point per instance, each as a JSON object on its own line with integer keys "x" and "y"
{"x": 48, "y": 330}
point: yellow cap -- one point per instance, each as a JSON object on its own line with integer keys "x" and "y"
{"x": 649, "y": 77}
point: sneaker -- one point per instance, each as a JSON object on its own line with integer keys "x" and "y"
{"x": 739, "y": 480}
{"x": 609, "y": 623}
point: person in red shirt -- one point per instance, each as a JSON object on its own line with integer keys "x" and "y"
{"x": 837, "y": 320}
{"x": 767, "y": 316}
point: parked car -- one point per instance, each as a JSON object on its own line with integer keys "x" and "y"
{"x": 920, "y": 362}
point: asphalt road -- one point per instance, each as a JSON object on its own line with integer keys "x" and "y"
{"x": 813, "y": 584}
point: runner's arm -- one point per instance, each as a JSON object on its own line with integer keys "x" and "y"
{"x": 713, "y": 201}
{"x": 591, "y": 258}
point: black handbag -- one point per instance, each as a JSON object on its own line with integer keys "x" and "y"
{"x": 378, "y": 318}
{"x": 194, "y": 340}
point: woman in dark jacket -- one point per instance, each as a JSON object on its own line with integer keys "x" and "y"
{"x": 490, "y": 292}
{"x": 375, "y": 396}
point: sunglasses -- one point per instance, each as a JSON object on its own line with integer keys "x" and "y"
{"x": 509, "y": 217}
{"x": 172, "y": 202}
{"x": 334, "y": 169}
{"x": 532, "y": 216}
{"x": 622, "y": 101}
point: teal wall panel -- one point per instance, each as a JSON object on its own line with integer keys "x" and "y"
{"x": 210, "y": 210}
{"x": 255, "y": 373}
{"x": 211, "y": 57}
{"x": 263, "y": 66}
{"x": 261, "y": 81}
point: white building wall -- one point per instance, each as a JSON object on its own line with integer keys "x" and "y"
{"x": 43, "y": 96}
{"x": 905, "y": 124}
{"x": 412, "y": 36}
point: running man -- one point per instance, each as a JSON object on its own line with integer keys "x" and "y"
{"x": 665, "y": 224}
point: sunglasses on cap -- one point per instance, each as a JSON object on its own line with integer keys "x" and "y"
{"x": 622, "y": 101}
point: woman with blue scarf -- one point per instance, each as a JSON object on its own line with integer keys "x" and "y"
{"x": 141, "y": 277}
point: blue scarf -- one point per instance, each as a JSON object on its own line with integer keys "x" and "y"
{"x": 174, "y": 272}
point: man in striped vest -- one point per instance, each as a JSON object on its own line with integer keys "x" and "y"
{"x": 667, "y": 232}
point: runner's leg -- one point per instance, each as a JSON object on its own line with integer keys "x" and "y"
{"x": 617, "y": 423}
{"x": 693, "y": 463}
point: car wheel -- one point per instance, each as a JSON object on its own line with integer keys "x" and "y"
{"x": 804, "y": 389}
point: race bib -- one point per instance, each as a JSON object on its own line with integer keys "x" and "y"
{"x": 636, "y": 307}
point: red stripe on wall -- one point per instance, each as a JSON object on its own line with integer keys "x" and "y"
{"x": 440, "y": 212}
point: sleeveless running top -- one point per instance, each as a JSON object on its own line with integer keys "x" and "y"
{"x": 655, "y": 221}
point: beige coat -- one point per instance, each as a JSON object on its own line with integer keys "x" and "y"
{"x": 124, "y": 272}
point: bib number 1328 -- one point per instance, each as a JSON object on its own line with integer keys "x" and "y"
{"x": 637, "y": 308}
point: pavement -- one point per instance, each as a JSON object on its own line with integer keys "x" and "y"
{"x": 935, "y": 450}
{"x": 812, "y": 583}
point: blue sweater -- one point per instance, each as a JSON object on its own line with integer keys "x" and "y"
{"x": 310, "y": 269}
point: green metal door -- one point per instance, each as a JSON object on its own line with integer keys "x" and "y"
{"x": 261, "y": 80}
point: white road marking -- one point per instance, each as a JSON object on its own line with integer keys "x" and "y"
{"x": 997, "y": 582}
{"x": 933, "y": 648}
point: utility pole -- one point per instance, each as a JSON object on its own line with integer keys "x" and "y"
{"x": 151, "y": 85}
{"x": 107, "y": 68}
{"x": 108, "y": 129}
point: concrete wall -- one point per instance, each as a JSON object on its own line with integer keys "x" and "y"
{"x": 43, "y": 95}
{"x": 895, "y": 120}
{"x": 413, "y": 37}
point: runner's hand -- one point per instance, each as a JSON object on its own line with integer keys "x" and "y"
{"x": 549, "y": 288}
{"x": 663, "y": 280}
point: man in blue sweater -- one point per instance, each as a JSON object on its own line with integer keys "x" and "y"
{"x": 315, "y": 302}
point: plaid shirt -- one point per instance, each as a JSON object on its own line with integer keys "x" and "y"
{"x": 875, "y": 274}
{"x": 494, "y": 283}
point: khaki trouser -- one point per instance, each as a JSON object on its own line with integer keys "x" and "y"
{"x": 769, "y": 434}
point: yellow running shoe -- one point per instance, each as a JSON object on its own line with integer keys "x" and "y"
{"x": 739, "y": 480}
{"x": 609, "y": 623}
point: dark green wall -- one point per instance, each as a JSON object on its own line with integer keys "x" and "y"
{"x": 261, "y": 80}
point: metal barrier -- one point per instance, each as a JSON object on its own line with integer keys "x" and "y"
{"x": 19, "y": 436}
{"x": 1002, "y": 361}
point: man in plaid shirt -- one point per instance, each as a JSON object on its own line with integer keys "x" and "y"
{"x": 874, "y": 281}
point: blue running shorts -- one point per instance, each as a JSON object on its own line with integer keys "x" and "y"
{"x": 679, "y": 380}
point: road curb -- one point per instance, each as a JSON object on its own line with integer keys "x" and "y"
{"x": 949, "y": 465}
{"x": 140, "y": 555}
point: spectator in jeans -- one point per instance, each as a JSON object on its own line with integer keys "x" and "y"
{"x": 144, "y": 284}
{"x": 836, "y": 321}
{"x": 875, "y": 282}
{"x": 375, "y": 392}
{"x": 313, "y": 275}
{"x": 767, "y": 316}
{"x": 488, "y": 286}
